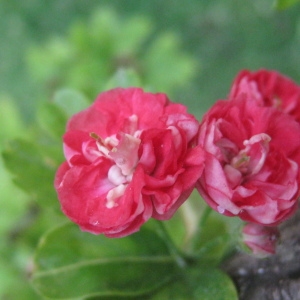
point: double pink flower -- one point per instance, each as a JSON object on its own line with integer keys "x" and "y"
{"x": 130, "y": 156}
{"x": 251, "y": 167}
{"x": 269, "y": 88}
{"x": 134, "y": 155}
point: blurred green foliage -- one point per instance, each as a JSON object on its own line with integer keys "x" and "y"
{"x": 283, "y": 4}
{"x": 95, "y": 51}
{"x": 72, "y": 264}
{"x": 191, "y": 50}
{"x": 223, "y": 36}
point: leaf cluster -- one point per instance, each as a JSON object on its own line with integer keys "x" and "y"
{"x": 94, "y": 51}
{"x": 70, "y": 264}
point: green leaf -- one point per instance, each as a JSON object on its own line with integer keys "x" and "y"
{"x": 200, "y": 283}
{"x": 132, "y": 36}
{"x": 94, "y": 49}
{"x": 14, "y": 262}
{"x": 52, "y": 119}
{"x": 167, "y": 67}
{"x": 33, "y": 168}
{"x": 70, "y": 101}
{"x": 283, "y": 4}
{"x": 10, "y": 119}
{"x": 71, "y": 264}
{"x": 215, "y": 238}
{"x": 213, "y": 284}
{"x": 12, "y": 201}
{"x": 124, "y": 78}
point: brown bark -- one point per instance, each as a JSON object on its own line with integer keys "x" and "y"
{"x": 274, "y": 278}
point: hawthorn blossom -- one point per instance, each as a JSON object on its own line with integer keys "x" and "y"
{"x": 252, "y": 161}
{"x": 268, "y": 88}
{"x": 130, "y": 156}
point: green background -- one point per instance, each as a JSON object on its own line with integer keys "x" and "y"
{"x": 220, "y": 36}
{"x": 225, "y": 36}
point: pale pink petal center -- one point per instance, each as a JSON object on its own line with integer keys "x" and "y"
{"x": 122, "y": 150}
{"x": 114, "y": 194}
{"x": 249, "y": 161}
{"x": 125, "y": 154}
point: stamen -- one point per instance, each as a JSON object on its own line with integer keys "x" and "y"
{"x": 251, "y": 159}
{"x": 95, "y": 136}
{"x": 240, "y": 161}
{"x": 122, "y": 149}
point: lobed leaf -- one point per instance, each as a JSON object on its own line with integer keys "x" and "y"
{"x": 70, "y": 101}
{"x": 162, "y": 72}
{"x": 73, "y": 264}
{"x": 200, "y": 283}
{"x": 213, "y": 284}
{"x": 123, "y": 78}
{"x": 52, "y": 119}
{"x": 33, "y": 168}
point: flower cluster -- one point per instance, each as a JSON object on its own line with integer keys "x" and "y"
{"x": 133, "y": 155}
{"x": 251, "y": 168}
{"x": 252, "y": 145}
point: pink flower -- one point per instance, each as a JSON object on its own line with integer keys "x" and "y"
{"x": 268, "y": 88}
{"x": 252, "y": 163}
{"x": 260, "y": 239}
{"x": 129, "y": 156}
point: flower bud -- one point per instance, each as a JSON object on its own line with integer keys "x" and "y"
{"x": 260, "y": 239}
